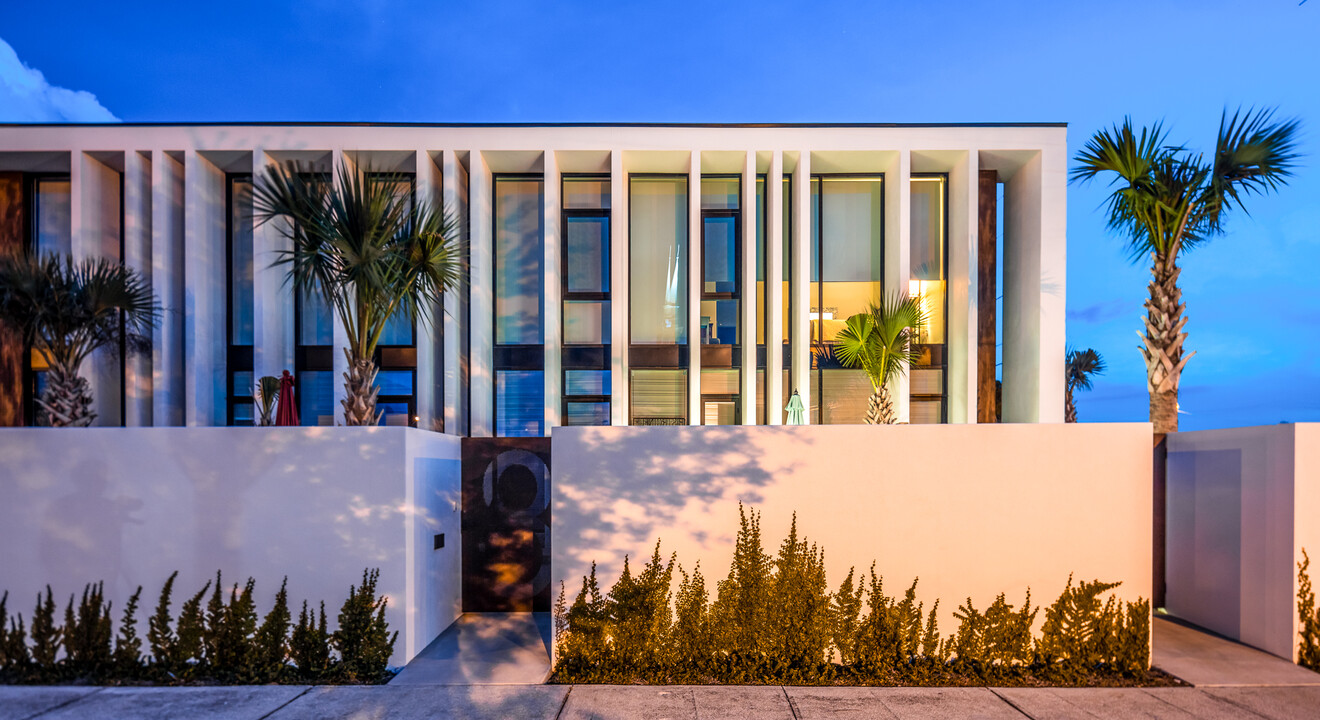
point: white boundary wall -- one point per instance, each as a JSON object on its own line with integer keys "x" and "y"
{"x": 130, "y": 506}
{"x": 971, "y": 510}
{"x": 1242, "y": 505}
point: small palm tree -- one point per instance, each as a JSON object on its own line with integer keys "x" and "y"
{"x": 1080, "y": 367}
{"x": 368, "y": 252}
{"x": 66, "y": 311}
{"x": 880, "y": 342}
{"x": 1168, "y": 201}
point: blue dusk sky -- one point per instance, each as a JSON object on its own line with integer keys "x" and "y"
{"x": 1252, "y": 296}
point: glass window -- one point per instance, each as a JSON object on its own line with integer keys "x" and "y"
{"x": 587, "y": 382}
{"x": 587, "y": 322}
{"x": 316, "y": 397}
{"x": 658, "y": 260}
{"x": 395, "y": 382}
{"x": 719, "y": 397}
{"x": 586, "y": 194}
{"x": 587, "y": 413}
{"x": 720, "y": 193}
{"x": 519, "y": 251}
{"x": 588, "y": 267}
{"x": 659, "y": 397}
{"x": 399, "y": 328}
{"x": 720, "y": 257}
{"x": 240, "y": 261}
{"x": 929, "y": 265}
{"x": 314, "y": 320}
{"x": 848, "y": 274}
{"x": 244, "y": 384}
{"x": 519, "y": 403}
{"x": 54, "y": 224}
{"x": 394, "y": 414}
{"x": 719, "y": 322}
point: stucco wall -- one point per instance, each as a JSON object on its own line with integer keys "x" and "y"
{"x": 1242, "y": 504}
{"x": 129, "y": 506}
{"x": 973, "y": 510}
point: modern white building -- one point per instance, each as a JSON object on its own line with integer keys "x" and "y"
{"x": 619, "y": 274}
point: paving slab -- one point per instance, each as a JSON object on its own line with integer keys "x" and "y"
{"x": 844, "y": 703}
{"x": 1199, "y": 703}
{"x": 968, "y": 703}
{"x": 1040, "y": 703}
{"x": 237, "y": 702}
{"x": 742, "y": 702}
{"x": 1109, "y": 703}
{"x": 19, "y": 702}
{"x": 634, "y": 702}
{"x": 526, "y": 702}
{"x": 1276, "y": 703}
{"x": 485, "y": 649}
{"x": 1204, "y": 659}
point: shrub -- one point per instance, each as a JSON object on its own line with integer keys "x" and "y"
{"x": 773, "y": 620}
{"x": 1308, "y": 651}
{"x": 212, "y": 640}
{"x": 363, "y": 639}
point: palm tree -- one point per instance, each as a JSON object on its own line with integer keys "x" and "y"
{"x": 1167, "y": 201}
{"x": 66, "y": 311}
{"x": 880, "y": 342}
{"x": 1080, "y": 366}
{"x": 367, "y": 251}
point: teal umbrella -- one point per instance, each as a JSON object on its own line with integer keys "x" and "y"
{"x": 797, "y": 414}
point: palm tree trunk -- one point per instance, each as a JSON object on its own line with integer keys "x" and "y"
{"x": 67, "y": 399}
{"x": 360, "y": 391}
{"x": 880, "y": 407}
{"x": 1069, "y": 406}
{"x": 1163, "y": 343}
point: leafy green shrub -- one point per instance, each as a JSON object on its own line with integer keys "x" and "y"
{"x": 774, "y": 620}
{"x": 213, "y": 640}
{"x": 1308, "y": 651}
{"x": 363, "y": 639}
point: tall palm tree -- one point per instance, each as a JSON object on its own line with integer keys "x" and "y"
{"x": 880, "y": 342}
{"x": 1079, "y": 368}
{"x": 1167, "y": 201}
{"x": 66, "y": 311}
{"x": 367, "y": 251}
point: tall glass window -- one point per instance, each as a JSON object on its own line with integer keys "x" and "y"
{"x": 238, "y": 226}
{"x": 519, "y": 214}
{"x": 314, "y": 352}
{"x": 396, "y": 351}
{"x": 51, "y": 232}
{"x": 586, "y": 298}
{"x": 658, "y": 307}
{"x": 721, "y": 298}
{"x": 929, "y": 282}
{"x": 847, "y": 276}
{"x": 658, "y": 260}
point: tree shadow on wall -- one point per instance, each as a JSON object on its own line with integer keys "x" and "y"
{"x": 632, "y": 485}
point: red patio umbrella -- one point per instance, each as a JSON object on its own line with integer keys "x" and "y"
{"x": 287, "y": 414}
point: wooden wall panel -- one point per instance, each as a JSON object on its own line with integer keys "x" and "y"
{"x": 11, "y": 344}
{"x": 987, "y": 245}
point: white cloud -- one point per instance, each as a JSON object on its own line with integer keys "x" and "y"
{"x": 25, "y": 96}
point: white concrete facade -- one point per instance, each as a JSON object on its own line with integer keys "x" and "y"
{"x": 129, "y": 506}
{"x": 1242, "y": 506}
{"x": 174, "y": 213}
{"x": 1016, "y": 506}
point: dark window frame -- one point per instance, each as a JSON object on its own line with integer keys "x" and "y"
{"x": 238, "y": 358}
{"x": 506, "y": 357}
{"x": 30, "y": 189}
{"x": 818, "y": 359}
{"x": 573, "y": 357}
{"x": 653, "y": 350}
{"x": 396, "y": 357}
{"x": 944, "y": 365}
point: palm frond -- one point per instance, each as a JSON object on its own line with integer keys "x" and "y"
{"x": 880, "y": 341}
{"x": 1081, "y": 366}
{"x": 1253, "y": 155}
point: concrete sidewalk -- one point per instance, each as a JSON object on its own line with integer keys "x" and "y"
{"x": 580, "y": 702}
